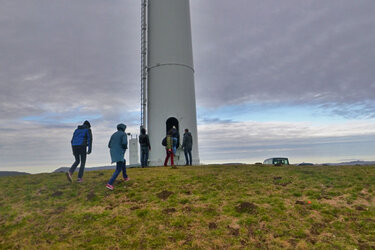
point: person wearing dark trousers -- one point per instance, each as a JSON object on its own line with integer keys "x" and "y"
{"x": 187, "y": 145}
{"x": 118, "y": 145}
{"x": 144, "y": 142}
{"x": 82, "y": 139}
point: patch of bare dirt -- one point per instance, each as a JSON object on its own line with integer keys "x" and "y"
{"x": 338, "y": 201}
{"x": 246, "y": 207}
{"x": 96, "y": 210}
{"x": 360, "y": 208}
{"x": 91, "y": 196}
{"x": 300, "y": 203}
{"x": 284, "y": 184}
{"x": 164, "y": 194}
{"x": 169, "y": 210}
{"x": 42, "y": 191}
{"x": 235, "y": 231}
{"x": 366, "y": 245}
{"x": 58, "y": 210}
{"x": 57, "y": 194}
{"x": 317, "y": 228}
{"x": 187, "y": 209}
{"x": 212, "y": 225}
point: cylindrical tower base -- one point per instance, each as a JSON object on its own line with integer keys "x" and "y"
{"x": 171, "y": 92}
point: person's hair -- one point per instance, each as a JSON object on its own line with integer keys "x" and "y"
{"x": 87, "y": 123}
{"x": 187, "y": 130}
{"x": 143, "y": 131}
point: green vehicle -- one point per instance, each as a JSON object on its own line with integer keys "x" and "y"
{"x": 277, "y": 161}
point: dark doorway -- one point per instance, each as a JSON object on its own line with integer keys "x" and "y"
{"x": 171, "y": 121}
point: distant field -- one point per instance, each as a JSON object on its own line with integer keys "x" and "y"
{"x": 205, "y": 207}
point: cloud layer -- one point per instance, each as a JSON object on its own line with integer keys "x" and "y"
{"x": 310, "y": 51}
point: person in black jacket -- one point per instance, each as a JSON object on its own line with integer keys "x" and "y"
{"x": 82, "y": 139}
{"x": 187, "y": 145}
{"x": 144, "y": 142}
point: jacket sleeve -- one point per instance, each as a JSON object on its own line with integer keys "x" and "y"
{"x": 184, "y": 141}
{"x": 109, "y": 143}
{"x": 71, "y": 141}
{"x": 89, "y": 139}
{"x": 148, "y": 143}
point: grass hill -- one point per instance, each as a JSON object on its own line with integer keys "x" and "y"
{"x": 205, "y": 207}
{"x": 110, "y": 167}
{"x": 11, "y": 173}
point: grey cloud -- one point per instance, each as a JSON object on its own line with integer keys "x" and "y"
{"x": 362, "y": 110}
{"x": 314, "y": 52}
{"x": 62, "y": 55}
{"x": 205, "y": 120}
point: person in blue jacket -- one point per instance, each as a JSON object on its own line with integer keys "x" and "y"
{"x": 82, "y": 139}
{"x": 118, "y": 145}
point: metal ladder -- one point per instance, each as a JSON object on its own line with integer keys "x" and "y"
{"x": 144, "y": 63}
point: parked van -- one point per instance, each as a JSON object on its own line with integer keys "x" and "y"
{"x": 277, "y": 161}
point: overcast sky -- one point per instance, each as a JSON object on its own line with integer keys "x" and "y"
{"x": 273, "y": 78}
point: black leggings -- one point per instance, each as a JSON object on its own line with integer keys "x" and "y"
{"x": 79, "y": 153}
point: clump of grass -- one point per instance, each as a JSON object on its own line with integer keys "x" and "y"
{"x": 201, "y": 207}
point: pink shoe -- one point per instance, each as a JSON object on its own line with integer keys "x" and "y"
{"x": 79, "y": 180}
{"x": 109, "y": 186}
{"x": 127, "y": 179}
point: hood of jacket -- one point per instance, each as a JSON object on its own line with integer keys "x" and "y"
{"x": 121, "y": 127}
{"x": 87, "y": 124}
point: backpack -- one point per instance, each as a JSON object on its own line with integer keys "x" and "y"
{"x": 164, "y": 142}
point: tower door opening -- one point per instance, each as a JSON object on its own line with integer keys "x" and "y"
{"x": 171, "y": 121}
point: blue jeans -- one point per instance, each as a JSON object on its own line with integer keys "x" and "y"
{"x": 120, "y": 166}
{"x": 188, "y": 156}
{"x": 174, "y": 147}
{"x": 144, "y": 156}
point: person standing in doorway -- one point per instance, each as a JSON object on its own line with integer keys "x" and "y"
{"x": 82, "y": 139}
{"x": 176, "y": 139}
{"x": 187, "y": 145}
{"x": 144, "y": 142}
{"x": 118, "y": 145}
{"x": 169, "y": 148}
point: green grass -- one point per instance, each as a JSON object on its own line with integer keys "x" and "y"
{"x": 205, "y": 207}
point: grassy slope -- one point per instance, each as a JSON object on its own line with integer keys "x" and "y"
{"x": 207, "y": 207}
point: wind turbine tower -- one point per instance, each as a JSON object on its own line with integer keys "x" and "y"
{"x": 168, "y": 93}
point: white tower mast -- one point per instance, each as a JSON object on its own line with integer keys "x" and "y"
{"x": 170, "y": 76}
